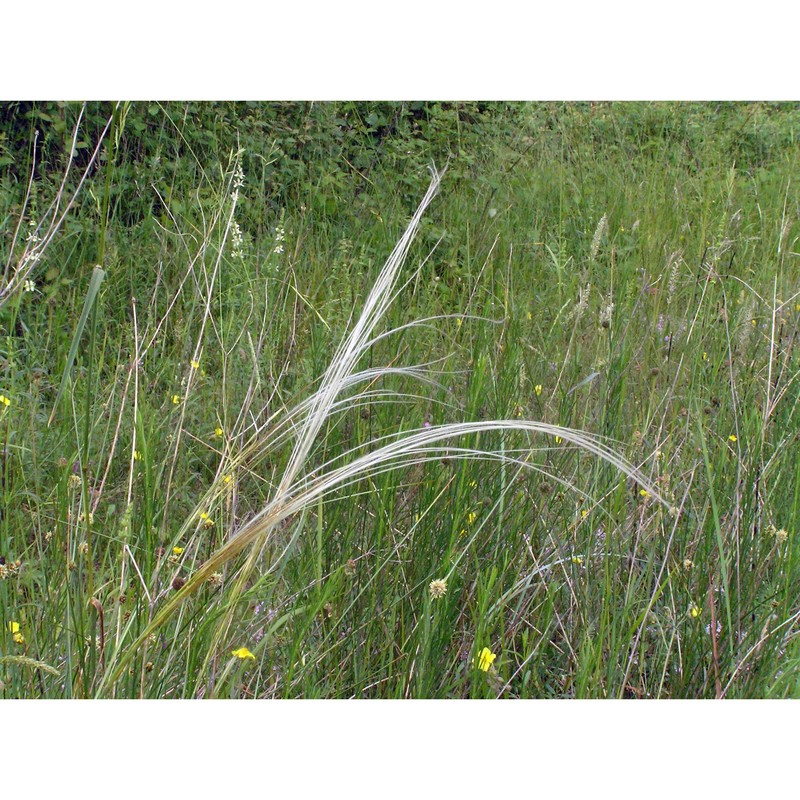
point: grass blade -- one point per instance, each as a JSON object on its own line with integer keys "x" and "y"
{"x": 91, "y": 295}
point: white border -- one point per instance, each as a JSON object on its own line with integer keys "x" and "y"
{"x": 615, "y": 50}
{"x": 408, "y": 749}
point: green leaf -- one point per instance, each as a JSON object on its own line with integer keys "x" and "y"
{"x": 94, "y": 287}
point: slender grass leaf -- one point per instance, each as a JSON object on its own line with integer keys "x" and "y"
{"x": 91, "y": 295}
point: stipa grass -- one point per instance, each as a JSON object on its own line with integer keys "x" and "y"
{"x": 300, "y": 489}
{"x": 670, "y": 335}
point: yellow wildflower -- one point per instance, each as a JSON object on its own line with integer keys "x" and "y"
{"x": 177, "y": 550}
{"x": 137, "y": 455}
{"x": 195, "y": 364}
{"x": 226, "y": 479}
{"x": 5, "y": 400}
{"x": 486, "y": 659}
{"x": 15, "y": 633}
{"x": 694, "y": 610}
{"x": 176, "y": 399}
{"x": 458, "y": 322}
{"x": 471, "y": 517}
{"x": 538, "y": 389}
{"x": 218, "y": 432}
{"x": 644, "y": 493}
{"x": 732, "y": 438}
{"x": 559, "y": 440}
{"x": 243, "y": 653}
{"x": 205, "y": 518}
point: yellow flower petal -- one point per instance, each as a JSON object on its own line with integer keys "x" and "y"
{"x": 177, "y": 550}
{"x": 486, "y": 659}
{"x": 243, "y": 653}
{"x": 13, "y": 627}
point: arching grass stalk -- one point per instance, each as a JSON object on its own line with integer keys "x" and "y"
{"x": 50, "y": 221}
{"x": 87, "y": 413}
{"x": 301, "y": 488}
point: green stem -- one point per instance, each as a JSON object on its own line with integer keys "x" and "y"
{"x": 92, "y": 336}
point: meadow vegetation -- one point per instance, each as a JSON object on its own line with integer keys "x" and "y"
{"x": 271, "y": 428}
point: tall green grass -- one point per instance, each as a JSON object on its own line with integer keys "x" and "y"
{"x": 214, "y": 474}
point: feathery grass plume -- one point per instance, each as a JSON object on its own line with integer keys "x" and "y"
{"x": 581, "y": 304}
{"x": 300, "y": 488}
{"x": 607, "y": 311}
{"x": 599, "y": 231}
{"x": 25, "y": 661}
{"x": 745, "y": 326}
{"x": 673, "y": 265}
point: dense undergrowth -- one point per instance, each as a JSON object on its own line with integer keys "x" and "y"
{"x": 628, "y": 270}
